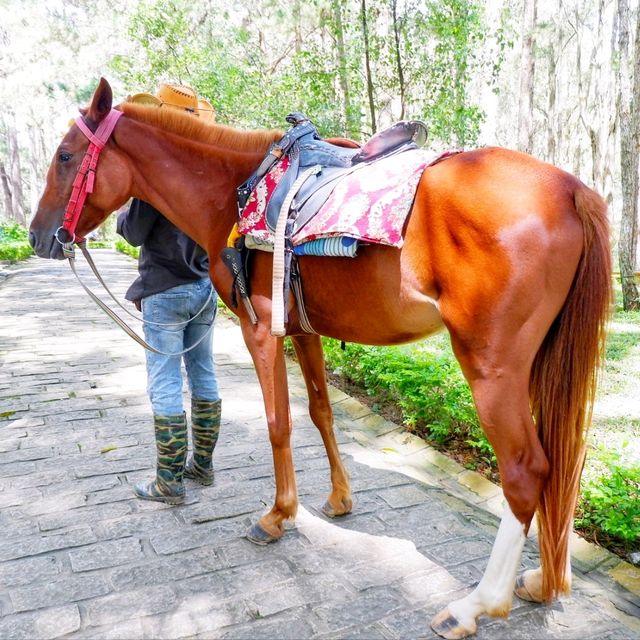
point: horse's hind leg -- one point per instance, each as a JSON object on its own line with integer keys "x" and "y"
{"x": 500, "y": 389}
{"x": 311, "y": 358}
{"x": 529, "y": 583}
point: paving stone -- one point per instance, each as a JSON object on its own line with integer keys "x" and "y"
{"x": 53, "y": 504}
{"x": 105, "y": 565}
{"x": 167, "y": 569}
{"x": 242, "y": 580}
{"x": 64, "y": 590}
{"x": 28, "y": 570}
{"x": 126, "y": 630}
{"x": 182, "y": 538}
{"x": 452, "y": 553}
{"x": 38, "y": 479}
{"x": 275, "y": 600}
{"x": 368, "y": 607}
{"x": 403, "y": 496}
{"x": 136, "y": 524}
{"x": 106, "y": 554}
{"x": 198, "y": 617}
{"x": 130, "y": 604}
{"x": 44, "y": 624}
{"x": 13, "y": 469}
{"x": 285, "y": 626}
{"x": 34, "y": 545}
{"x": 84, "y": 515}
{"x": 18, "y": 498}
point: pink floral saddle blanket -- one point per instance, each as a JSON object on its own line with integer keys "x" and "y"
{"x": 369, "y": 205}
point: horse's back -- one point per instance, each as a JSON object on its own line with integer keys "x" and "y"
{"x": 490, "y": 229}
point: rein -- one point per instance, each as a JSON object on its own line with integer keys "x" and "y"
{"x": 83, "y": 185}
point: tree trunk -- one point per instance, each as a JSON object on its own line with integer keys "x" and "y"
{"x": 15, "y": 177}
{"x": 553, "y": 130}
{"x": 398, "y": 57}
{"x": 527, "y": 77}
{"x": 350, "y": 128}
{"x": 367, "y": 62}
{"x": 629, "y": 95}
{"x": 6, "y": 190}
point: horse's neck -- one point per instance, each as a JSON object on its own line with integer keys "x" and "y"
{"x": 192, "y": 184}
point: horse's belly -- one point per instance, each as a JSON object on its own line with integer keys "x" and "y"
{"x": 384, "y": 323}
{"x": 413, "y": 321}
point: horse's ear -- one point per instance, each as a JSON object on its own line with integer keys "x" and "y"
{"x": 100, "y": 104}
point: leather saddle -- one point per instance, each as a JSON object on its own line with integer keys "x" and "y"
{"x": 305, "y": 149}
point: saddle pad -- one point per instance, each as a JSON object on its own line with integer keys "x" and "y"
{"x": 341, "y": 246}
{"x": 252, "y": 219}
{"x": 371, "y": 204}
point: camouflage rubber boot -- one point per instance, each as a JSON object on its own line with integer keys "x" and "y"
{"x": 205, "y": 427}
{"x": 171, "y": 447}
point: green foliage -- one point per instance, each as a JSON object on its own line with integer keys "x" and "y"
{"x": 620, "y": 344}
{"x": 14, "y": 251}
{"x": 123, "y": 246}
{"x": 14, "y": 243}
{"x": 256, "y": 66}
{"x": 10, "y": 232}
{"x": 428, "y": 388}
{"x": 610, "y": 500}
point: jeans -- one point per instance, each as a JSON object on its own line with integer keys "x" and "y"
{"x": 164, "y": 373}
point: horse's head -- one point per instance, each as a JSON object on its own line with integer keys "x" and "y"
{"x": 74, "y": 166}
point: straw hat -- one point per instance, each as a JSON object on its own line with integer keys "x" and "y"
{"x": 178, "y": 97}
{"x": 206, "y": 111}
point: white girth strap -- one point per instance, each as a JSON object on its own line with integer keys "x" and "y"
{"x": 277, "y": 290}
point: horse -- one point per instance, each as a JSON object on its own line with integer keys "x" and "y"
{"x": 509, "y": 254}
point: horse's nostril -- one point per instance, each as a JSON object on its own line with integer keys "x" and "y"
{"x": 32, "y": 239}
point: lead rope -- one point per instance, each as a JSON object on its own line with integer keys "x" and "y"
{"x": 91, "y": 263}
{"x": 70, "y": 255}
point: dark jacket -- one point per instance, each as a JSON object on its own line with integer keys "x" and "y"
{"x": 168, "y": 257}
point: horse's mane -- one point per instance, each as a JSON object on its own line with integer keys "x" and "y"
{"x": 190, "y": 127}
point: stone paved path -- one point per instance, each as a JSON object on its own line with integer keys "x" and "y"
{"x": 80, "y": 557}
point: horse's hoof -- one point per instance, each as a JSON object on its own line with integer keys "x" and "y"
{"x": 330, "y": 511}
{"x": 258, "y": 535}
{"x": 521, "y": 590}
{"x": 448, "y": 626}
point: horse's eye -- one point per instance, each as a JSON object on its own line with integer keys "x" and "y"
{"x": 64, "y": 157}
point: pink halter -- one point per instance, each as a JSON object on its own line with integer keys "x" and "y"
{"x": 85, "y": 178}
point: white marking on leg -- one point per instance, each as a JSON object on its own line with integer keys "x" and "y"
{"x": 493, "y": 595}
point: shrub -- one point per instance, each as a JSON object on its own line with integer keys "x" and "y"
{"x": 14, "y": 251}
{"x": 610, "y": 500}
{"x": 428, "y": 388}
{"x": 13, "y": 233}
{"x": 124, "y": 247}
{"x": 14, "y": 242}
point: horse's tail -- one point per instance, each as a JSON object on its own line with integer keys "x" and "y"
{"x": 562, "y": 388}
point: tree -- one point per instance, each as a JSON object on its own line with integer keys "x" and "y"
{"x": 527, "y": 76}
{"x": 629, "y": 118}
{"x": 367, "y": 64}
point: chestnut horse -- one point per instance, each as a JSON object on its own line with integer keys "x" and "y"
{"x": 509, "y": 254}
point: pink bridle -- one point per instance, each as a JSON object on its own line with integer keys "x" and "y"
{"x": 85, "y": 178}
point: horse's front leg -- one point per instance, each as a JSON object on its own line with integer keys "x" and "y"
{"x": 268, "y": 358}
{"x": 311, "y": 359}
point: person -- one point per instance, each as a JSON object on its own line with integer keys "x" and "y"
{"x": 173, "y": 288}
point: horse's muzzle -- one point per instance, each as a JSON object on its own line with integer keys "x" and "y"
{"x": 45, "y": 245}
